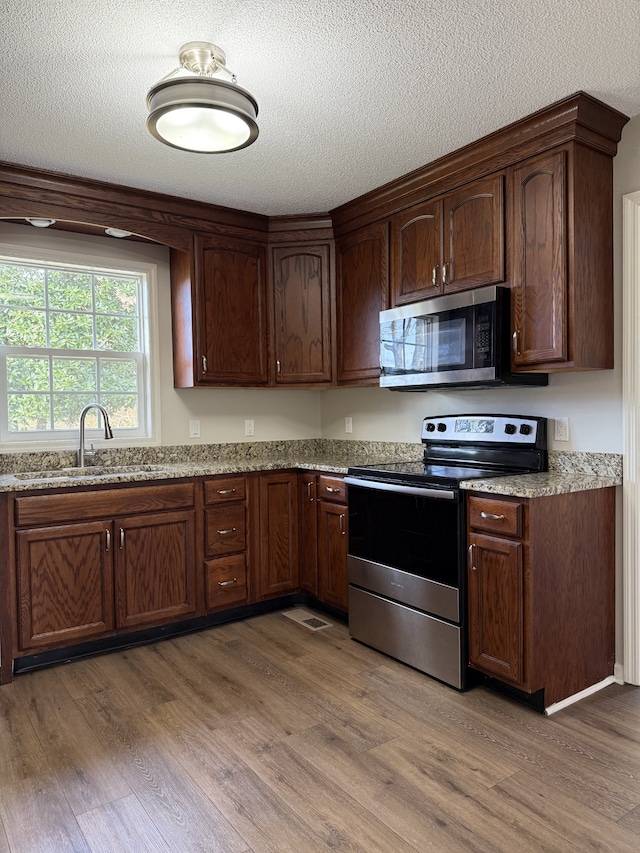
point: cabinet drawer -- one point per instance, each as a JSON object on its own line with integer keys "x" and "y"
{"x": 331, "y": 488}
{"x": 225, "y": 530}
{"x": 83, "y": 505}
{"x": 495, "y": 516}
{"x": 226, "y": 581}
{"x": 220, "y": 491}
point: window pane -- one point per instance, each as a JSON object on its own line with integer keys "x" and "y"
{"x": 122, "y": 409}
{"x": 116, "y": 295}
{"x": 74, "y": 374}
{"x": 118, "y": 375}
{"x": 21, "y": 285}
{"x": 28, "y": 412}
{"x": 70, "y": 331}
{"x": 22, "y": 328}
{"x": 27, "y": 374}
{"x": 67, "y": 409}
{"x": 70, "y": 290}
{"x": 117, "y": 333}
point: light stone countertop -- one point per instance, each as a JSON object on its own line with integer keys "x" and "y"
{"x": 568, "y": 471}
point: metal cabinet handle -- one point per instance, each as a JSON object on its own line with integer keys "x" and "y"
{"x": 228, "y": 583}
{"x": 226, "y": 491}
{"x": 470, "y": 558}
{"x": 516, "y": 342}
{"x": 278, "y": 369}
{"x": 108, "y": 539}
{"x": 226, "y": 532}
{"x": 204, "y": 364}
{"x": 434, "y": 276}
{"x": 492, "y": 516}
{"x": 444, "y": 274}
{"x": 329, "y": 489}
{"x": 309, "y": 495}
{"x": 121, "y": 538}
{"x": 342, "y": 529}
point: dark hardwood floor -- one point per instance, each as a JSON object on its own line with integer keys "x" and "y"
{"x": 265, "y": 736}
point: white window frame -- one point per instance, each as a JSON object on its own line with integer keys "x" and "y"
{"x": 148, "y": 431}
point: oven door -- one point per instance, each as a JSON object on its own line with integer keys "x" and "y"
{"x": 405, "y": 544}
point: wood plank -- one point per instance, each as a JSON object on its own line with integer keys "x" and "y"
{"x": 82, "y": 766}
{"x": 122, "y": 827}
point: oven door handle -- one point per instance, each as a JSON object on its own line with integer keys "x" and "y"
{"x": 420, "y": 491}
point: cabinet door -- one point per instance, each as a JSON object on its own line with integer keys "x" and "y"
{"x": 308, "y": 526}
{"x": 155, "y": 568}
{"x": 278, "y": 565}
{"x": 362, "y": 291}
{"x": 231, "y": 290}
{"x": 474, "y": 235}
{"x": 538, "y": 190}
{"x": 332, "y": 553}
{"x": 416, "y": 251}
{"x": 65, "y": 583}
{"x": 301, "y": 312}
{"x": 496, "y": 607}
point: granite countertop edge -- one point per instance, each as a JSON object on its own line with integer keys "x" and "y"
{"x": 541, "y": 485}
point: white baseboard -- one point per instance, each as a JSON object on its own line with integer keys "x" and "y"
{"x": 589, "y": 691}
{"x": 618, "y": 673}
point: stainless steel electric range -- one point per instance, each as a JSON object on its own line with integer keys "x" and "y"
{"x": 407, "y": 537}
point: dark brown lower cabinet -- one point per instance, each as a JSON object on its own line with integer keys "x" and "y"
{"x": 65, "y": 583}
{"x": 308, "y": 530}
{"x": 541, "y": 586}
{"x": 155, "y": 568}
{"x": 332, "y": 553}
{"x": 277, "y": 571}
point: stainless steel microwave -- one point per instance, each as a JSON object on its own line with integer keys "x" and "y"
{"x": 455, "y": 341}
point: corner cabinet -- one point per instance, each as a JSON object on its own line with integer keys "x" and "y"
{"x": 219, "y": 309}
{"x": 453, "y": 242}
{"x": 562, "y": 238}
{"x": 301, "y": 305}
{"x": 362, "y": 291}
{"x": 541, "y": 581}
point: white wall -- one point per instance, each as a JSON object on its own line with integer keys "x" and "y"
{"x": 592, "y": 401}
{"x": 277, "y": 414}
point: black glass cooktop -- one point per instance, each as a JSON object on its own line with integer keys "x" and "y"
{"x": 446, "y": 476}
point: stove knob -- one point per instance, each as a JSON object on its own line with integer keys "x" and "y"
{"x": 442, "y": 427}
{"x": 525, "y": 429}
{"x": 431, "y": 427}
{"x": 509, "y": 429}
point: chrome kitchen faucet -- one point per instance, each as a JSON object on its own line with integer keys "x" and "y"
{"x": 82, "y": 453}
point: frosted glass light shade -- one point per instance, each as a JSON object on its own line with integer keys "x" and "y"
{"x": 202, "y": 114}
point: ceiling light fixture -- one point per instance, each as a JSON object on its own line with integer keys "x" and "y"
{"x": 117, "y": 232}
{"x": 41, "y": 223}
{"x": 202, "y": 113}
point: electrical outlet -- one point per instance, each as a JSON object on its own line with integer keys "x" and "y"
{"x": 249, "y": 428}
{"x": 348, "y": 424}
{"x": 562, "y": 429}
{"x": 194, "y": 429}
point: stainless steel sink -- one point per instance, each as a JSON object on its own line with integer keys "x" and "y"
{"x": 88, "y": 471}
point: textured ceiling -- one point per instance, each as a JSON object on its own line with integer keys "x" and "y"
{"x": 352, "y": 93}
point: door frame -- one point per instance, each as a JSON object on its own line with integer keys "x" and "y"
{"x": 631, "y": 435}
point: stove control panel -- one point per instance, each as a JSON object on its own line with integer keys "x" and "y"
{"x": 494, "y": 429}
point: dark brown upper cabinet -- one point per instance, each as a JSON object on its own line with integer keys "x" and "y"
{"x": 453, "y": 242}
{"x": 220, "y": 313}
{"x": 301, "y": 304}
{"x": 562, "y": 235}
{"x": 362, "y": 291}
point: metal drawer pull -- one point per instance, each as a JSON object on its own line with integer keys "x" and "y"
{"x": 329, "y": 489}
{"x": 121, "y": 538}
{"x": 491, "y": 516}
{"x": 108, "y": 537}
{"x": 226, "y": 491}
{"x": 342, "y": 530}
{"x": 225, "y": 532}
{"x": 228, "y": 583}
{"x": 471, "y": 566}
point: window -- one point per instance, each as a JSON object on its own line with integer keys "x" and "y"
{"x": 72, "y": 334}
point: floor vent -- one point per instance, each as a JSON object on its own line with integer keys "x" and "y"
{"x": 303, "y": 617}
